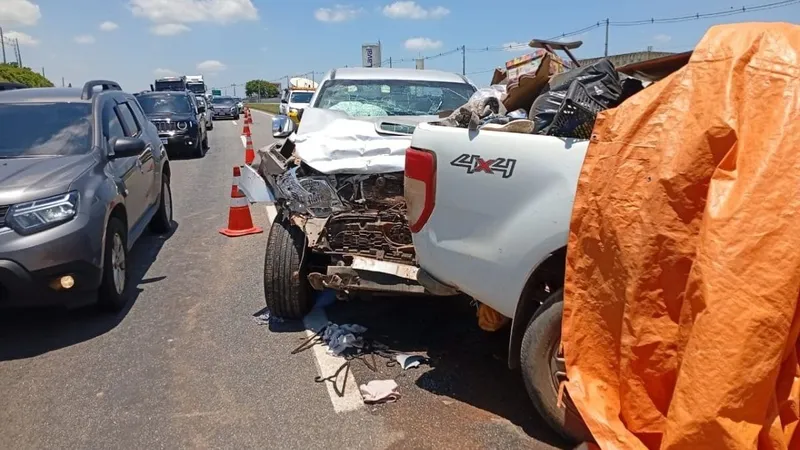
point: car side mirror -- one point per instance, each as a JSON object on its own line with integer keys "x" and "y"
{"x": 284, "y": 101}
{"x": 282, "y": 126}
{"x": 201, "y": 109}
{"x": 125, "y": 147}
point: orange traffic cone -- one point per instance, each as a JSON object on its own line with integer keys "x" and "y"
{"x": 249, "y": 152}
{"x": 246, "y": 128}
{"x": 240, "y": 222}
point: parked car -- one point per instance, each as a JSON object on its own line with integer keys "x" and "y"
{"x": 489, "y": 213}
{"x": 341, "y": 222}
{"x": 84, "y": 172}
{"x": 239, "y": 105}
{"x": 207, "y": 114}
{"x": 179, "y": 120}
{"x": 225, "y": 107}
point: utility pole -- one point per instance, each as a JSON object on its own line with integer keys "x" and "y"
{"x": 19, "y": 53}
{"x": 463, "y": 60}
{"x": 390, "y": 62}
{"x": 3, "y": 44}
{"x": 607, "y": 23}
{"x": 234, "y": 89}
{"x": 43, "y": 73}
{"x": 62, "y": 81}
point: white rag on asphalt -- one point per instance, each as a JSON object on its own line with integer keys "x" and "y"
{"x": 379, "y": 391}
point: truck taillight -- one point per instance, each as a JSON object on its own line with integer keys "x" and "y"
{"x": 419, "y": 187}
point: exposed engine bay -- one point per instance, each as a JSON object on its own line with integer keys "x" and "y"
{"x": 344, "y": 215}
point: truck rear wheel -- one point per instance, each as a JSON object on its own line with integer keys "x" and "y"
{"x": 543, "y": 370}
{"x": 286, "y": 287}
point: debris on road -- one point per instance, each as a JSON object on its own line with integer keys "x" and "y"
{"x": 339, "y": 338}
{"x": 410, "y": 361}
{"x": 379, "y": 391}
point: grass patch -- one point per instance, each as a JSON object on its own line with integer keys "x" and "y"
{"x": 271, "y": 108}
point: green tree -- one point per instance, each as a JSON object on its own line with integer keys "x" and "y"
{"x": 23, "y": 75}
{"x": 261, "y": 88}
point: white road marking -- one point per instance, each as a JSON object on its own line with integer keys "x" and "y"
{"x": 234, "y": 122}
{"x": 244, "y": 141}
{"x": 328, "y": 365}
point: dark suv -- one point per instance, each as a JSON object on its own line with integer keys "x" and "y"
{"x": 82, "y": 173}
{"x": 178, "y": 118}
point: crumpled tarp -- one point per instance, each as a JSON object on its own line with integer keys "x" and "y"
{"x": 683, "y": 268}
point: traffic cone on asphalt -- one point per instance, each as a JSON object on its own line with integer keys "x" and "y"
{"x": 248, "y": 119}
{"x": 246, "y": 129}
{"x": 240, "y": 222}
{"x": 249, "y": 152}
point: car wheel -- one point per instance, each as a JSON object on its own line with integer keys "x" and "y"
{"x": 236, "y": 117}
{"x": 286, "y": 288}
{"x": 211, "y": 126}
{"x": 111, "y": 294}
{"x": 543, "y": 370}
{"x": 205, "y": 142}
{"x": 162, "y": 221}
{"x": 198, "y": 150}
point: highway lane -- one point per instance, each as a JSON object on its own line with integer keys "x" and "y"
{"x": 187, "y": 367}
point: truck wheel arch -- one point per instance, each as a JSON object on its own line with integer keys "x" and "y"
{"x": 550, "y": 273}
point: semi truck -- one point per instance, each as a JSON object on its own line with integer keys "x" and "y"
{"x": 170, "y": 84}
{"x": 196, "y": 84}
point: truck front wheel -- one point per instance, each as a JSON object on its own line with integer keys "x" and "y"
{"x": 543, "y": 370}
{"x": 286, "y": 287}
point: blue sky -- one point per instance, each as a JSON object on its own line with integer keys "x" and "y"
{"x": 232, "y": 41}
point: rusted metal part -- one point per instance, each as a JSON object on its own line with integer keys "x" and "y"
{"x": 349, "y": 279}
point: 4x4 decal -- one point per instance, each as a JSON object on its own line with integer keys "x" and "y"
{"x": 475, "y": 164}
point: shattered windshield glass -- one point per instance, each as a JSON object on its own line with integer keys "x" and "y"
{"x": 370, "y": 98}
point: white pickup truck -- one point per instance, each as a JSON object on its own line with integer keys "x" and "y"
{"x": 489, "y": 213}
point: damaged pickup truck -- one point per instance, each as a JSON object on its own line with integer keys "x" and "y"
{"x": 337, "y": 186}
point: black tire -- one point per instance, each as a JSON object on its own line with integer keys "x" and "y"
{"x": 236, "y": 117}
{"x": 198, "y": 150}
{"x": 109, "y": 298}
{"x": 286, "y": 288}
{"x": 205, "y": 142}
{"x": 210, "y": 126}
{"x": 162, "y": 222}
{"x": 540, "y": 343}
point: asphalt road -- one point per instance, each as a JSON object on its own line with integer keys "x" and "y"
{"x": 186, "y": 366}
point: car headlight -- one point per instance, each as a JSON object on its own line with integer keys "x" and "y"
{"x": 39, "y": 215}
{"x": 182, "y": 125}
{"x": 233, "y": 107}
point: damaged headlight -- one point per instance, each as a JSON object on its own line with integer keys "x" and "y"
{"x": 312, "y": 195}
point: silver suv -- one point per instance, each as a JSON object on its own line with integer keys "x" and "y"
{"x": 82, "y": 173}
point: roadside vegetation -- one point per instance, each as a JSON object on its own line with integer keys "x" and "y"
{"x": 12, "y": 73}
{"x": 271, "y": 108}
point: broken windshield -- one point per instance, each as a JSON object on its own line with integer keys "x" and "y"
{"x": 369, "y": 98}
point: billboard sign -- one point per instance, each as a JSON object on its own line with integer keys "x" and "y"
{"x": 217, "y": 92}
{"x": 371, "y": 55}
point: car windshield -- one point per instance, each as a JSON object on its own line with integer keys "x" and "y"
{"x": 361, "y": 98}
{"x": 154, "y": 104}
{"x": 197, "y": 88}
{"x": 45, "y": 129}
{"x": 222, "y": 101}
{"x": 301, "y": 97}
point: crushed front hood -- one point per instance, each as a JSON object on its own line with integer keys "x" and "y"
{"x": 333, "y": 142}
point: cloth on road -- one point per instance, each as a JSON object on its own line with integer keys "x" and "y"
{"x": 379, "y": 391}
{"x": 341, "y": 337}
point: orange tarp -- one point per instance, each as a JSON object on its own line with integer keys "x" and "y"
{"x": 683, "y": 268}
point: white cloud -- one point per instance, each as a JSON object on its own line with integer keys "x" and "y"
{"x": 515, "y": 47}
{"x": 339, "y": 13}
{"x": 164, "y": 72}
{"x": 422, "y": 43}
{"x": 22, "y": 38}
{"x": 211, "y": 65}
{"x": 169, "y": 29}
{"x": 662, "y": 38}
{"x": 411, "y": 10}
{"x": 19, "y": 12}
{"x": 191, "y": 11}
{"x": 84, "y": 39}
{"x": 108, "y": 26}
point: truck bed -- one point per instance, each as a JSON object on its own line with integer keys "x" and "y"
{"x": 502, "y": 205}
